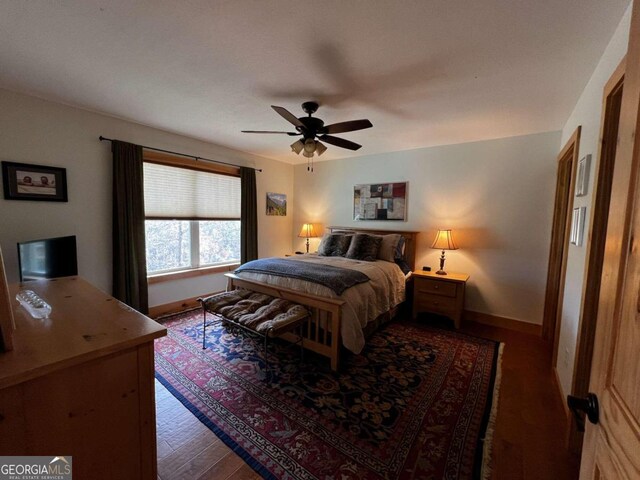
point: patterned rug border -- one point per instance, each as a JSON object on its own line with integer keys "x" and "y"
{"x": 228, "y": 441}
{"x": 484, "y": 453}
{"x": 482, "y": 468}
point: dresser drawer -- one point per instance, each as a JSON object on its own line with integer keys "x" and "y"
{"x": 435, "y": 287}
{"x": 435, "y": 303}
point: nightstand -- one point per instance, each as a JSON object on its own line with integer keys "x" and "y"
{"x": 441, "y": 294}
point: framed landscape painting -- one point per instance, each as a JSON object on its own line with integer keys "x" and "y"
{"x": 22, "y": 181}
{"x": 380, "y": 201}
{"x": 277, "y": 204}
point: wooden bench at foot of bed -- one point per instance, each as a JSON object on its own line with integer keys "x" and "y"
{"x": 257, "y": 314}
{"x": 321, "y": 330}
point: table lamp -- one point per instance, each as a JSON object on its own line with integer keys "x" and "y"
{"x": 307, "y": 231}
{"x": 444, "y": 241}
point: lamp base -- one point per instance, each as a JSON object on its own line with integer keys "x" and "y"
{"x": 441, "y": 271}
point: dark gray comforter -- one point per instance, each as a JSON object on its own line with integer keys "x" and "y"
{"x": 336, "y": 278}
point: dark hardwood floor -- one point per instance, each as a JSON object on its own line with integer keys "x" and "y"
{"x": 528, "y": 444}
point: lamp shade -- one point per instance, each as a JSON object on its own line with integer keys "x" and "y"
{"x": 307, "y": 231}
{"x": 444, "y": 241}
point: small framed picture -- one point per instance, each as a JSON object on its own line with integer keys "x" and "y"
{"x": 22, "y": 181}
{"x": 277, "y": 204}
{"x": 582, "y": 177}
{"x": 577, "y": 226}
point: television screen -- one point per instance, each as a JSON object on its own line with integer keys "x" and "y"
{"x": 48, "y": 258}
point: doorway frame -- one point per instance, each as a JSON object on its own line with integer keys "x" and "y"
{"x": 559, "y": 246}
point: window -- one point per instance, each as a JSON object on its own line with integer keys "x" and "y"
{"x": 180, "y": 244}
{"x": 192, "y": 218}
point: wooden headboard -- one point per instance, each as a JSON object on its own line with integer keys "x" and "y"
{"x": 409, "y": 240}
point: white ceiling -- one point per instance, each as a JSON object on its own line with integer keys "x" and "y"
{"x": 425, "y": 72}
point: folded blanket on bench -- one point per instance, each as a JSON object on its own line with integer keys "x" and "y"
{"x": 336, "y": 278}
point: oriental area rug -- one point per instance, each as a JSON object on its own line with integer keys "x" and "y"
{"x": 417, "y": 403}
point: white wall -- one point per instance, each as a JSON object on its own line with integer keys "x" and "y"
{"x": 496, "y": 195}
{"x": 588, "y": 113}
{"x": 41, "y": 132}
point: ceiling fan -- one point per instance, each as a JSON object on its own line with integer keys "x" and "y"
{"x": 312, "y": 127}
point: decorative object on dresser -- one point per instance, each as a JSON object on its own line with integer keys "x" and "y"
{"x": 439, "y": 294}
{"x": 417, "y": 402}
{"x": 277, "y": 204}
{"x": 307, "y": 231}
{"x": 443, "y": 241}
{"x": 380, "y": 201}
{"x": 22, "y": 181}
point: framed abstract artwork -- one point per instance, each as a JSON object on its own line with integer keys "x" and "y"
{"x": 380, "y": 201}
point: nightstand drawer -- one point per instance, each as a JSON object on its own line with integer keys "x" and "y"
{"x": 427, "y": 286}
{"x": 435, "y": 303}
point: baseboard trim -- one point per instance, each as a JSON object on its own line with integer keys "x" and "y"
{"x": 502, "y": 322}
{"x": 176, "y": 307}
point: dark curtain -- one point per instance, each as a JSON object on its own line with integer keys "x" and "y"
{"x": 249, "y": 216}
{"x": 129, "y": 260}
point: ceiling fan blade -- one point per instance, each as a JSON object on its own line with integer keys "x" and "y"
{"x": 269, "y": 131}
{"x": 288, "y": 116}
{"x": 340, "y": 142}
{"x": 348, "y": 126}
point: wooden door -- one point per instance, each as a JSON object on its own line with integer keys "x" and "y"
{"x": 612, "y": 446}
{"x": 612, "y": 101}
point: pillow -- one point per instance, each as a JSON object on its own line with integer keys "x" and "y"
{"x": 388, "y": 246}
{"x": 364, "y": 247}
{"x": 404, "y": 266}
{"x": 334, "y": 245}
{"x": 400, "y": 249}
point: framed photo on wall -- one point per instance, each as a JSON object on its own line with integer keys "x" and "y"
{"x": 277, "y": 204}
{"x": 23, "y": 181}
{"x": 582, "y": 178}
{"x": 577, "y": 226}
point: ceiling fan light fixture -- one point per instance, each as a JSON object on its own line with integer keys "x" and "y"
{"x": 320, "y": 148}
{"x": 309, "y": 146}
{"x": 297, "y": 147}
{"x": 307, "y": 154}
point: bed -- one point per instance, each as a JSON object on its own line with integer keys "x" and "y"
{"x": 340, "y": 320}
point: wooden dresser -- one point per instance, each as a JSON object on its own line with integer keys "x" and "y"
{"x": 81, "y": 383}
{"x": 441, "y": 294}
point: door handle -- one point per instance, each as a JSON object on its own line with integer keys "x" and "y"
{"x": 587, "y": 405}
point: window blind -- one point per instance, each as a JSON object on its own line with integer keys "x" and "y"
{"x": 180, "y": 193}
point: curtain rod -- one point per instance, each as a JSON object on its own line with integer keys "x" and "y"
{"x": 102, "y": 139}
